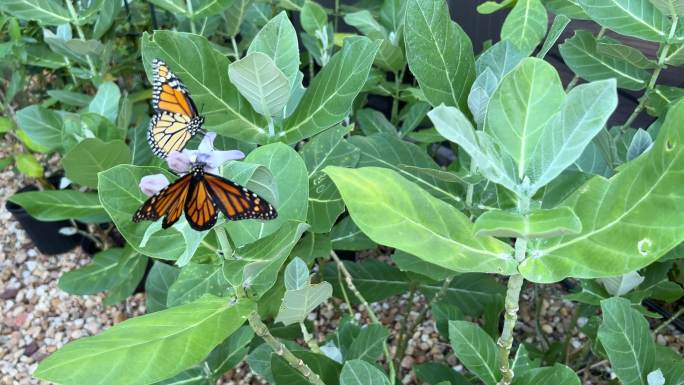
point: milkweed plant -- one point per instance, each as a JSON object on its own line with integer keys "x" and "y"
{"x": 458, "y": 174}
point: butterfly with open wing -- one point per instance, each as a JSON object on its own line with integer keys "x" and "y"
{"x": 175, "y": 120}
{"x": 202, "y": 195}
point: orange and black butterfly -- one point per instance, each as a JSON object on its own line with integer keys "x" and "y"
{"x": 202, "y": 195}
{"x": 175, "y": 120}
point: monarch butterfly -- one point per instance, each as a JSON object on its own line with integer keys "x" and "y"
{"x": 175, "y": 120}
{"x": 199, "y": 194}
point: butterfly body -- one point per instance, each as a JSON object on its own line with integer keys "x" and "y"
{"x": 201, "y": 195}
{"x": 176, "y": 119}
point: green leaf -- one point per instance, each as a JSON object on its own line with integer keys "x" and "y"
{"x": 442, "y": 313}
{"x": 435, "y": 373}
{"x": 473, "y": 293}
{"x": 555, "y": 32}
{"x": 157, "y": 285}
{"x": 106, "y": 17}
{"x": 43, "y": 126}
{"x": 28, "y": 165}
{"x": 106, "y": 101}
{"x": 345, "y": 235}
{"x": 365, "y": 22}
{"x": 631, "y": 55}
{"x": 395, "y": 212}
{"x": 298, "y": 303}
{"x": 521, "y": 107}
{"x": 290, "y": 175}
{"x": 99, "y": 275}
{"x": 313, "y": 17}
{"x": 392, "y": 14}
{"x": 439, "y": 53}
{"x": 46, "y": 12}
{"x": 235, "y": 15}
{"x": 522, "y": 362}
{"x": 296, "y": 275}
{"x": 278, "y": 40}
{"x": 328, "y": 148}
{"x": 622, "y": 284}
{"x": 625, "y": 335}
{"x": 208, "y": 8}
{"x": 375, "y": 280}
{"x": 71, "y": 98}
{"x": 525, "y": 26}
{"x": 329, "y": 97}
{"x": 669, "y": 7}
{"x": 327, "y": 369}
{"x": 146, "y": 349}
{"x": 358, "y": 372}
{"x": 196, "y": 280}
{"x": 569, "y": 8}
{"x": 131, "y": 270}
{"x": 56, "y": 205}
{"x": 636, "y": 18}
{"x": 83, "y": 162}
{"x": 582, "y": 55}
{"x": 374, "y": 122}
{"x": 489, "y": 7}
{"x": 368, "y": 344}
{"x": 631, "y": 235}
{"x": 193, "y": 376}
{"x": 230, "y": 352}
{"x": 260, "y": 262}
{"x": 557, "y": 374}
{"x": 476, "y": 350}
{"x": 411, "y": 263}
{"x": 538, "y": 223}
{"x": 261, "y": 83}
{"x": 388, "y": 151}
{"x": 204, "y": 71}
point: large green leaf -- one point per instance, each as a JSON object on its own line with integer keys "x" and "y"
{"x": 475, "y": 349}
{"x": 328, "y": 148}
{"x": 472, "y": 293}
{"x": 106, "y": 101}
{"x": 131, "y": 269}
{"x": 525, "y": 26}
{"x": 204, "y": 71}
{"x": 235, "y": 15}
{"x": 157, "y": 285}
{"x": 230, "y": 352}
{"x": 43, "y": 126}
{"x": 636, "y": 18}
{"x": 395, "y": 212}
{"x": 86, "y": 159}
{"x": 47, "y": 12}
{"x": 210, "y": 7}
{"x": 298, "y": 303}
{"x": 278, "y": 40}
{"x": 669, "y": 7}
{"x": 388, "y": 151}
{"x": 357, "y": 372}
{"x": 536, "y": 224}
{"x": 99, "y": 275}
{"x": 331, "y": 93}
{"x": 569, "y": 8}
{"x": 581, "y": 54}
{"x": 368, "y": 343}
{"x": 374, "y": 279}
{"x": 435, "y": 373}
{"x": 196, "y": 280}
{"x": 146, "y": 349}
{"x": 56, "y": 205}
{"x": 345, "y": 235}
{"x": 521, "y": 107}
{"x": 557, "y": 375}
{"x": 439, "y": 53}
{"x": 626, "y": 338}
{"x": 261, "y": 82}
{"x": 292, "y": 192}
{"x": 632, "y": 224}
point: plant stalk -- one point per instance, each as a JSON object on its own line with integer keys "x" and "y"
{"x": 371, "y": 313}
{"x": 236, "y": 52}
{"x": 262, "y": 331}
{"x": 654, "y": 77}
{"x": 81, "y": 35}
{"x": 308, "y": 338}
{"x": 188, "y": 5}
{"x": 669, "y": 321}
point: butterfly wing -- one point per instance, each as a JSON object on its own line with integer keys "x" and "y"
{"x": 200, "y": 208}
{"x": 175, "y": 119}
{"x": 167, "y": 203}
{"x": 236, "y": 202}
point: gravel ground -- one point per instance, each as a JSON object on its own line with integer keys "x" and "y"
{"x": 38, "y": 318}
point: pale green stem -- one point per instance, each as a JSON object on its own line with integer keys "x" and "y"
{"x": 515, "y": 283}
{"x": 371, "y": 313}
{"x": 236, "y": 52}
{"x": 654, "y": 77}
{"x": 310, "y": 341}
{"x": 271, "y": 127}
{"x": 344, "y": 293}
{"x": 398, "y": 76}
{"x": 669, "y": 321}
{"x": 261, "y": 330}
{"x": 223, "y": 240}
{"x": 81, "y": 35}
{"x": 191, "y": 16}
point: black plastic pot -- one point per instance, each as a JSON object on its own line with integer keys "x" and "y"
{"x": 45, "y": 235}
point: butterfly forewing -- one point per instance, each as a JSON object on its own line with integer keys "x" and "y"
{"x": 237, "y": 202}
{"x": 200, "y": 208}
{"x": 168, "y": 202}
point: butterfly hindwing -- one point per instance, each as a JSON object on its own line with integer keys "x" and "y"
{"x": 237, "y": 202}
{"x": 200, "y": 208}
{"x": 175, "y": 119}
